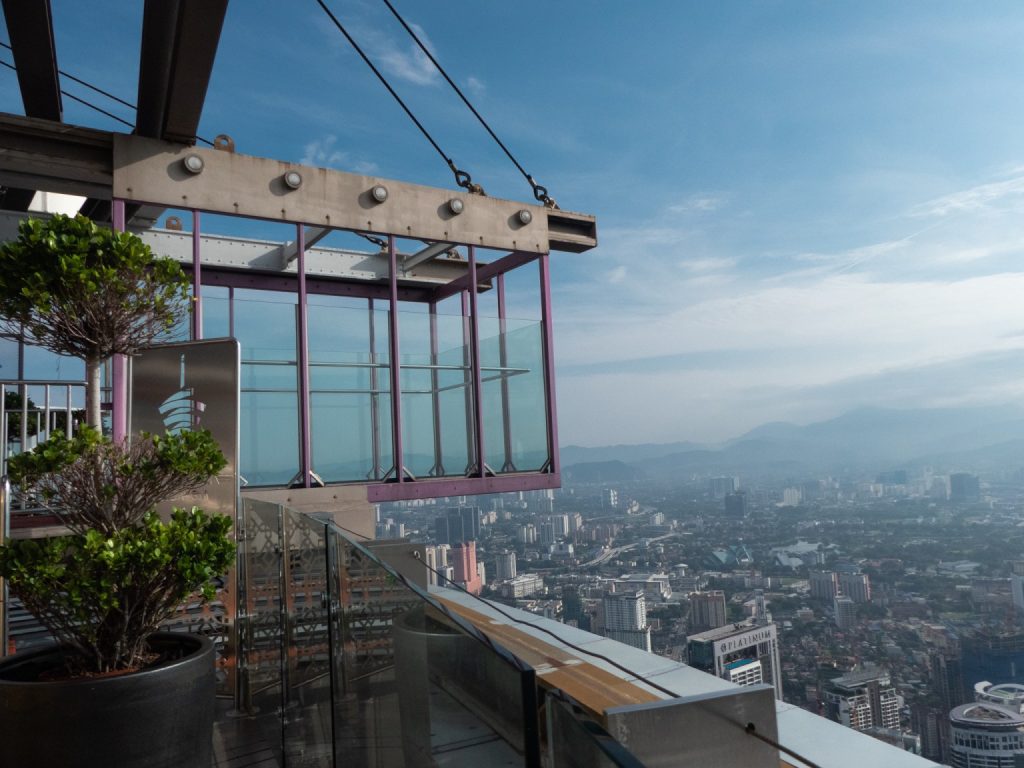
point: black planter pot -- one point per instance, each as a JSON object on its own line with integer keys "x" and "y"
{"x": 161, "y": 717}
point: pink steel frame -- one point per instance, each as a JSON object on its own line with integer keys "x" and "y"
{"x": 399, "y": 485}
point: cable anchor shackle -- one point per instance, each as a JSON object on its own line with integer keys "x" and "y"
{"x": 540, "y": 192}
{"x": 465, "y": 181}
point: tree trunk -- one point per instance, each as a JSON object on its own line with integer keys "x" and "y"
{"x": 93, "y": 416}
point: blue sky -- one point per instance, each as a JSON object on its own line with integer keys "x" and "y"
{"x": 803, "y": 207}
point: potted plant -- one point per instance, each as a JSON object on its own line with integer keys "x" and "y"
{"x": 118, "y": 691}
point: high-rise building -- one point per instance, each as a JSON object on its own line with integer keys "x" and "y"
{"x": 736, "y": 505}
{"x": 992, "y": 656}
{"x": 707, "y": 610}
{"x": 845, "y": 612}
{"x": 505, "y": 566}
{"x": 856, "y": 586}
{"x": 609, "y": 498}
{"x": 715, "y": 650}
{"x": 470, "y": 522}
{"x": 720, "y": 487}
{"x": 986, "y": 735}
{"x": 523, "y": 585}
{"x": 863, "y": 699}
{"x": 625, "y": 619}
{"x": 464, "y": 562}
{"x": 824, "y": 585}
{"x": 573, "y": 610}
{"x": 964, "y": 488}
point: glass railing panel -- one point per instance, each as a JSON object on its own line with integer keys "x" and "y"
{"x": 256, "y": 722}
{"x": 515, "y": 417}
{"x": 415, "y": 687}
{"x": 577, "y": 741}
{"x": 524, "y": 343}
{"x": 455, "y": 401}
{"x": 308, "y": 737}
{"x": 344, "y": 660}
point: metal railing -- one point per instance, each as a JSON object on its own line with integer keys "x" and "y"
{"x": 347, "y": 660}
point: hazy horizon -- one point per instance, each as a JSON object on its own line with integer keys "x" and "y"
{"x": 803, "y": 207}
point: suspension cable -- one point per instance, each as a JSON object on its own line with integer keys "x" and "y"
{"x": 462, "y": 178}
{"x": 98, "y": 90}
{"x": 539, "y": 192}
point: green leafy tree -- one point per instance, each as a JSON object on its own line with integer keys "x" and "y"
{"x": 106, "y": 588}
{"x": 79, "y": 289}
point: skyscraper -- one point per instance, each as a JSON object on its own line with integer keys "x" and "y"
{"x": 707, "y": 610}
{"x": 736, "y": 505}
{"x": 845, "y": 612}
{"x": 505, "y": 566}
{"x": 863, "y": 699}
{"x": 466, "y": 575}
{"x": 625, "y": 619}
{"x": 824, "y": 585}
{"x": 964, "y": 488}
{"x": 856, "y": 586}
{"x": 739, "y": 652}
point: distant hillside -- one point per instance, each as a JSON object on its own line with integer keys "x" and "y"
{"x": 576, "y": 454}
{"x": 601, "y": 472}
{"x": 864, "y": 440}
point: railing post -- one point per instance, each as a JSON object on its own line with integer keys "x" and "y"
{"x": 506, "y": 416}
{"x": 197, "y": 281}
{"x": 375, "y": 469}
{"x": 306, "y": 442}
{"x": 5, "y": 532}
{"x": 435, "y": 393}
{"x": 396, "y": 366}
{"x": 478, "y": 389}
{"x": 549, "y": 363}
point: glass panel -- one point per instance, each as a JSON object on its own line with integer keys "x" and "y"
{"x": 455, "y": 400}
{"x": 524, "y": 342}
{"x": 42, "y": 365}
{"x": 512, "y": 369}
{"x": 265, "y": 326}
{"x": 307, "y": 682}
{"x": 415, "y": 688}
{"x": 578, "y": 742}
{"x": 349, "y": 382}
{"x": 260, "y": 631}
{"x": 417, "y": 398}
{"x": 216, "y": 311}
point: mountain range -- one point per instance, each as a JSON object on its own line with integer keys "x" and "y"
{"x": 862, "y": 440}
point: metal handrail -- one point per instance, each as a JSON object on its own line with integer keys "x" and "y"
{"x": 5, "y": 532}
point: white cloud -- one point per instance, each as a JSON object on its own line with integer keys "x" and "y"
{"x": 475, "y": 86}
{"x": 976, "y": 198}
{"x": 406, "y": 62}
{"x": 323, "y": 154}
{"x": 699, "y": 203}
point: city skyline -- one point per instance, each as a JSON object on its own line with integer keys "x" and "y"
{"x": 804, "y": 208}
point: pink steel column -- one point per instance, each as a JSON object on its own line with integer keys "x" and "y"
{"x": 197, "y": 298}
{"x": 435, "y": 393}
{"x": 119, "y": 364}
{"x": 478, "y": 389}
{"x": 396, "y": 373}
{"x": 549, "y": 362}
{"x": 506, "y": 414}
{"x": 306, "y": 444}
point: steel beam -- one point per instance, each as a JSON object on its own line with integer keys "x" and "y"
{"x": 153, "y": 172}
{"x": 484, "y": 272}
{"x": 312, "y": 236}
{"x": 42, "y": 154}
{"x": 429, "y": 253}
{"x": 462, "y": 486}
{"x": 179, "y": 44}
{"x": 30, "y": 28}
